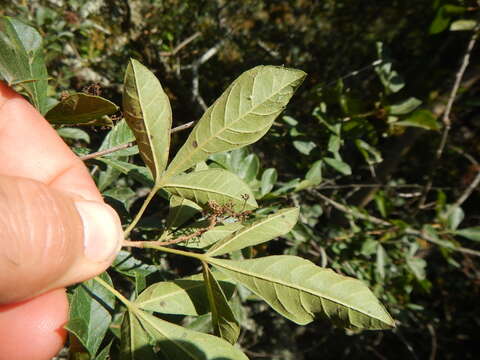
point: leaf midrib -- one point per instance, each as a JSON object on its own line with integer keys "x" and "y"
{"x": 214, "y": 261}
{"x": 200, "y": 146}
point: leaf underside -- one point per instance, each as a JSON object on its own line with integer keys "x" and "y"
{"x": 302, "y": 291}
{"x": 212, "y": 185}
{"x": 240, "y": 116}
{"x": 148, "y": 113}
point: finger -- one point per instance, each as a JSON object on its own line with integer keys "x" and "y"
{"x": 34, "y": 329}
{"x": 50, "y": 240}
{"x": 30, "y": 147}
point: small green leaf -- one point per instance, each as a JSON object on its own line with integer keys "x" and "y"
{"x": 119, "y": 135}
{"x": 463, "y": 25}
{"x": 440, "y": 22}
{"x": 81, "y": 109}
{"x": 249, "y": 168}
{"x": 417, "y": 265}
{"x": 136, "y": 342}
{"x": 241, "y": 116}
{"x": 139, "y": 173}
{"x": 339, "y": 165}
{"x": 472, "y": 233}
{"x": 370, "y": 154}
{"x": 381, "y": 260}
{"x": 421, "y": 118}
{"x": 304, "y": 147}
{"x": 183, "y": 296}
{"x": 223, "y": 320}
{"x": 212, "y": 185}
{"x": 147, "y": 111}
{"x": 260, "y": 231}
{"x": 455, "y": 217}
{"x": 179, "y": 343}
{"x": 126, "y": 264}
{"x": 405, "y": 106}
{"x": 74, "y": 134}
{"x": 22, "y": 61}
{"x": 302, "y": 291}
{"x": 90, "y": 316}
{"x": 269, "y": 178}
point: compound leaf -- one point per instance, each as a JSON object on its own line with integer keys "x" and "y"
{"x": 147, "y": 111}
{"x": 302, "y": 291}
{"x": 240, "y": 116}
{"x": 260, "y": 231}
{"x": 136, "y": 343}
{"x": 212, "y": 185}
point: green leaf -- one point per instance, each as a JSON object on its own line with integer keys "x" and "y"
{"x": 105, "y": 353}
{"x": 147, "y": 111}
{"x": 269, "y": 178}
{"x": 74, "y": 134}
{"x": 212, "y": 185}
{"x": 314, "y": 174}
{"x": 339, "y": 165}
{"x": 463, "y": 25}
{"x": 136, "y": 342}
{"x": 405, "y": 106}
{"x": 260, "y": 231}
{"x": 302, "y": 291}
{"x": 212, "y": 236}
{"x": 183, "y": 296}
{"x": 472, "y": 233}
{"x": 249, "y": 169}
{"x": 304, "y": 147}
{"x": 241, "y": 116}
{"x": 370, "y": 154}
{"x": 177, "y": 342}
{"x": 381, "y": 260}
{"x": 455, "y": 217}
{"x": 417, "y": 266}
{"x": 223, "y": 320}
{"x": 89, "y": 317}
{"x": 421, "y": 118}
{"x": 81, "y": 109}
{"x": 139, "y": 173}
{"x": 181, "y": 210}
{"x": 119, "y": 135}
{"x": 125, "y": 263}
{"x": 440, "y": 22}
{"x": 22, "y": 61}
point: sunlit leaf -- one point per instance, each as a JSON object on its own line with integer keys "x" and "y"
{"x": 269, "y": 178}
{"x": 183, "y": 296}
{"x": 147, "y": 111}
{"x": 212, "y": 185}
{"x": 223, "y": 320}
{"x": 339, "y": 165}
{"x": 81, "y": 109}
{"x": 421, "y": 118}
{"x": 241, "y": 116}
{"x": 463, "y": 25}
{"x": 22, "y": 61}
{"x": 260, "y": 231}
{"x": 405, "y": 106}
{"x": 179, "y": 343}
{"x": 472, "y": 233}
{"x": 302, "y": 291}
{"x": 90, "y": 316}
{"x": 119, "y": 135}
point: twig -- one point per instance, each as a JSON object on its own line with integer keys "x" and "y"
{"x": 446, "y": 114}
{"x": 127, "y": 145}
{"x": 408, "y": 230}
{"x": 433, "y": 335}
{"x": 181, "y": 45}
{"x": 466, "y": 194}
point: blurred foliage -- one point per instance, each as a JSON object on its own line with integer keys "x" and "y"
{"x": 362, "y": 132}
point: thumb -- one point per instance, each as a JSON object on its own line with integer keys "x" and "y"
{"x": 50, "y": 239}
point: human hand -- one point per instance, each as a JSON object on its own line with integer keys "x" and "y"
{"x": 49, "y": 208}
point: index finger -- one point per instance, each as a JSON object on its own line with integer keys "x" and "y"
{"x": 30, "y": 148}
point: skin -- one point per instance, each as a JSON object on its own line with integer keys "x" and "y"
{"x": 43, "y": 185}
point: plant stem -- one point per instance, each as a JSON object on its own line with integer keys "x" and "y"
{"x": 151, "y": 245}
{"x": 140, "y": 212}
{"x": 119, "y": 296}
